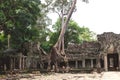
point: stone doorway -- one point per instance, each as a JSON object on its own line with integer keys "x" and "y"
{"x": 113, "y": 61}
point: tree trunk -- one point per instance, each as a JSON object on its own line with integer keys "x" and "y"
{"x": 57, "y": 51}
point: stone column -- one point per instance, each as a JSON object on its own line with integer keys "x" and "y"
{"x": 76, "y": 64}
{"x": 23, "y": 62}
{"x": 98, "y": 64}
{"x": 14, "y": 62}
{"x": 11, "y": 63}
{"x": 91, "y": 63}
{"x": 105, "y": 62}
{"x": 5, "y": 67}
{"x": 83, "y": 63}
{"x": 119, "y": 60}
{"x": 20, "y": 61}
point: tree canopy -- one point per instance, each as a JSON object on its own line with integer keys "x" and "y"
{"x": 74, "y": 33}
{"x": 22, "y": 20}
{"x": 27, "y": 20}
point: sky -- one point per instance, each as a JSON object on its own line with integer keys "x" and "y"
{"x": 98, "y": 15}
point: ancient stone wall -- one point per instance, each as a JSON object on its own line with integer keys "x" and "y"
{"x": 109, "y": 41}
{"x": 86, "y": 49}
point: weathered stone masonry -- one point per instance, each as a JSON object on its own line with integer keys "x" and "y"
{"x": 103, "y": 53}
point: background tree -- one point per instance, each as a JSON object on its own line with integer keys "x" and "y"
{"x": 74, "y": 33}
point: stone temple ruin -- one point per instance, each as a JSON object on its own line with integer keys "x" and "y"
{"x": 83, "y": 56}
{"x": 32, "y": 57}
{"x": 102, "y": 54}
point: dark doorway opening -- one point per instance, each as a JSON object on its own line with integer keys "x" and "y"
{"x": 112, "y": 62}
{"x": 72, "y": 64}
{"x": 62, "y": 64}
{"x": 79, "y": 64}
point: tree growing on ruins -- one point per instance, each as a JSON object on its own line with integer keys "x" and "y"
{"x": 57, "y": 51}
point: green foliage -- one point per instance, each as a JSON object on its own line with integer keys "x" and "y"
{"x": 54, "y": 37}
{"x": 57, "y": 26}
{"x": 59, "y": 4}
{"x": 46, "y": 46}
{"x": 2, "y": 37}
{"x": 3, "y": 41}
{"x": 24, "y": 20}
{"x": 19, "y": 12}
{"x": 74, "y": 33}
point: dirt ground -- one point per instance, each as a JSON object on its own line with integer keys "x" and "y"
{"x": 77, "y": 76}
